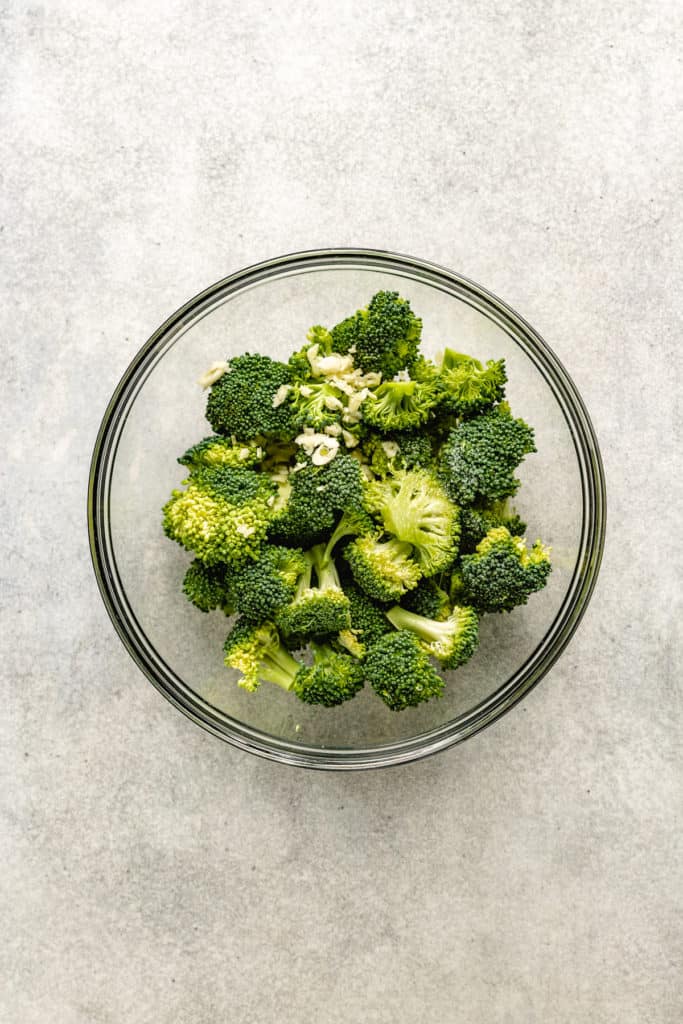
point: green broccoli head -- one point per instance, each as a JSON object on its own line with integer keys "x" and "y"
{"x": 466, "y": 386}
{"x": 452, "y": 641}
{"x": 317, "y": 404}
{"x": 502, "y": 573}
{"x": 256, "y": 651}
{"x": 299, "y": 363}
{"x": 222, "y": 451}
{"x": 404, "y": 450}
{"x": 475, "y": 523}
{"x": 400, "y": 672}
{"x": 384, "y": 569}
{"x": 399, "y": 405}
{"x": 424, "y": 369}
{"x": 368, "y": 622}
{"x": 480, "y": 455}
{"x": 315, "y": 611}
{"x": 250, "y": 400}
{"x": 206, "y": 587}
{"x": 332, "y": 679}
{"x": 385, "y": 336}
{"x": 414, "y": 508}
{"x": 222, "y": 515}
{"x": 261, "y": 587}
{"x": 414, "y": 451}
{"x": 353, "y": 523}
{"x": 456, "y": 591}
{"x": 317, "y": 495}
{"x": 345, "y": 334}
{"x": 428, "y": 599}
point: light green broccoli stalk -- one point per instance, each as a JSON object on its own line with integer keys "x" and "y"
{"x": 256, "y": 651}
{"x": 452, "y": 641}
{"x": 315, "y": 611}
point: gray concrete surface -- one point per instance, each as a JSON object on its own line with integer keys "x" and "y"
{"x": 151, "y": 874}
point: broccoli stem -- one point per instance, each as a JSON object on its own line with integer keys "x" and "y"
{"x": 397, "y": 512}
{"x": 305, "y": 578}
{"x": 427, "y": 629}
{"x": 396, "y": 549}
{"x": 279, "y": 667}
{"x": 325, "y": 568}
{"x": 346, "y": 527}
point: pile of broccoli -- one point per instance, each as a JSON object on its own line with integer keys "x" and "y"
{"x": 352, "y": 509}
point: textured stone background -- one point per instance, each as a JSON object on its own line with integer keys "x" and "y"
{"x": 154, "y": 875}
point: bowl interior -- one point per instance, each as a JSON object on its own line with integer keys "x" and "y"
{"x": 159, "y": 412}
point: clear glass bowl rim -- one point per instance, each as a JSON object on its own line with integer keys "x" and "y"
{"x": 557, "y": 637}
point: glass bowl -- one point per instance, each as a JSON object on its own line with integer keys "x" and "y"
{"x": 157, "y": 411}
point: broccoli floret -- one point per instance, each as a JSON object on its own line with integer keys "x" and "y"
{"x": 353, "y": 523}
{"x": 399, "y": 405}
{"x": 476, "y": 522}
{"x": 386, "y": 335}
{"x": 379, "y": 454}
{"x": 263, "y": 586}
{"x": 316, "y": 404}
{"x": 480, "y": 455}
{"x": 222, "y": 451}
{"x": 345, "y": 334}
{"x": 205, "y": 586}
{"x": 383, "y": 569}
{"x": 315, "y": 611}
{"x": 466, "y": 386}
{"x": 278, "y": 456}
{"x": 222, "y": 515}
{"x": 414, "y": 508}
{"x": 456, "y": 590}
{"x": 414, "y": 451}
{"x": 404, "y": 450}
{"x": 318, "y": 494}
{"x": 400, "y": 672}
{"x": 368, "y": 622}
{"x": 452, "y": 641}
{"x": 299, "y": 363}
{"x": 502, "y": 572}
{"x": 332, "y": 678}
{"x": 258, "y": 653}
{"x": 428, "y": 599}
{"x": 424, "y": 369}
{"x": 250, "y": 400}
